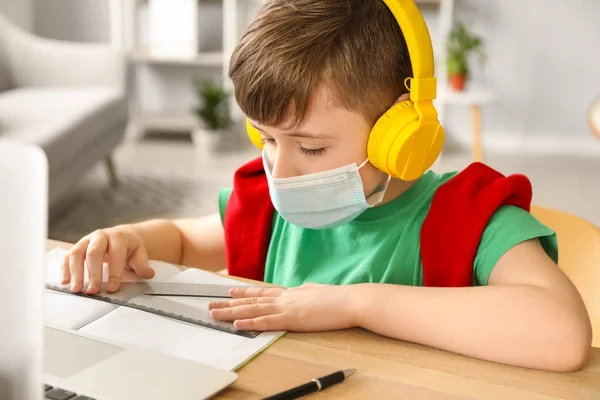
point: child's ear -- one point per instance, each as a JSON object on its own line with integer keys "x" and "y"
{"x": 404, "y": 97}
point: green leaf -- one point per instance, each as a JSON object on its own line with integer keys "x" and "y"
{"x": 213, "y": 109}
{"x": 460, "y": 45}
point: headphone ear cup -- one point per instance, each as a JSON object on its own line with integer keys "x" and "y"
{"x": 390, "y": 125}
{"x": 254, "y": 135}
{"x": 401, "y": 146}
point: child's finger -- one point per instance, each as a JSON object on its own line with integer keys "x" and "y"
{"x": 76, "y": 265}
{"x": 94, "y": 259}
{"x": 264, "y": 323}
{"x": 244, "y": 312}
{"x": 255, "y": 292}
{"x": 240, "y": 302}
{"x": 139, "y": 263}
{"x": 117, "y": 255}
{"x": 65, "y": 271}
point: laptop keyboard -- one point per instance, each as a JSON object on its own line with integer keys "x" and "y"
{"x": 53, "y": 393}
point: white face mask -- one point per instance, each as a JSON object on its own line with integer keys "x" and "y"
{"x": 321, "y": 200}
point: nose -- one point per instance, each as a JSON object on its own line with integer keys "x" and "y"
{"x": 281, "y": 165}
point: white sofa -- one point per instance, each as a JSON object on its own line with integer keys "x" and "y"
{"x": 69, "y": 98}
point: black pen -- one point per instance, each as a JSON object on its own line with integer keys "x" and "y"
{"x": 316, "y": 385}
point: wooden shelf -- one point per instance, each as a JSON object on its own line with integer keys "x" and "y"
{"x": 205, "y": 59}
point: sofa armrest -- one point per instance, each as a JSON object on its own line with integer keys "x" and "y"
{"x": 36, "y": 61}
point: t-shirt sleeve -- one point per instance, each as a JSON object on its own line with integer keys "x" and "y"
{"x": 509, "y": 226}
{"x": 224, "y": 195}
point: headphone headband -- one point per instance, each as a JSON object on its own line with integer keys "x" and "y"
{"x": 408, "y": 138}
{"x": 413, "y": 26}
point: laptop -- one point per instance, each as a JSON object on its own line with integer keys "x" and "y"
{"x": 39, "y": 361}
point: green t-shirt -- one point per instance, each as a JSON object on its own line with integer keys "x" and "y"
{"x": 382, "y": 244}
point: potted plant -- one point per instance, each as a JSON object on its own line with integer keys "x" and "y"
{"x": 461, "y": 43}
{"x": 212, "y": 113}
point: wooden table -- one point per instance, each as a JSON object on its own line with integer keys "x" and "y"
{"x": 392, "y": 369}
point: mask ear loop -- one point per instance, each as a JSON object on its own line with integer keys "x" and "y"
{"x": 377, "y": 196}
{"x": 379, "y": 191}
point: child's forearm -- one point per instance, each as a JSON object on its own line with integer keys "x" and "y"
{"x": 202, "y": 242}
{"x": 519, "y": 325}
{"x": 193, "y": 242}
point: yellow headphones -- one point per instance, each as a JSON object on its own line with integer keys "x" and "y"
{"x": 405, "y": 142}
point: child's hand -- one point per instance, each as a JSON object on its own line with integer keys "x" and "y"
{"x": 307, "y": 308}
{"x": 120, "y": 246}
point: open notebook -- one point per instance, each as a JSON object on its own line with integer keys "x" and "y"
{"x": 128, "y": 325}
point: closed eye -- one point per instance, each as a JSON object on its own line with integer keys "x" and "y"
{"x": 312, "y": 152}
{"x": 303, "y": 150}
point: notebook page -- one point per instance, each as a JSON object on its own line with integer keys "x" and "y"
{"x": 181, "y": 339}
{"x": 67, "y": 311}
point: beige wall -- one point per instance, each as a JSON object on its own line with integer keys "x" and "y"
{"x": 544, "y": 58}
{"x": 80, "y": 20}
{"x": 19, "y": 11}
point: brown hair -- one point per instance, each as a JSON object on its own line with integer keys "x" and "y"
{"x": 355, "y": 47}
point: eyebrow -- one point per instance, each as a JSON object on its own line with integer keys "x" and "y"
{"x": 299, "y": 134}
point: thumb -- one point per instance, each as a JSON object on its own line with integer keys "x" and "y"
{"x": 138, "y": 262}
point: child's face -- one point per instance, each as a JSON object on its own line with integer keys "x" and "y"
{"x": 330, "y": 137}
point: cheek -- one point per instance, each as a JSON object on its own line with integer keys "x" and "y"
{"x": 271, "y": 154}
{"x": 371, "y": 178}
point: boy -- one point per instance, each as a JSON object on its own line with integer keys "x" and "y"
{"x": 354, "y": 244}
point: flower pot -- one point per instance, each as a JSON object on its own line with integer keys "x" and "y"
{"x": 457, "y": 82}
{"x": 206, "y": 139}
{"x": 206, "y": 145}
